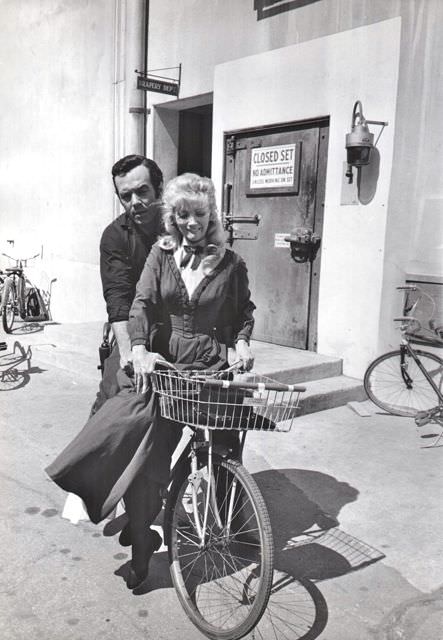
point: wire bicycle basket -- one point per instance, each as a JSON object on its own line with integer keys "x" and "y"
{"x": 207, "y": 400}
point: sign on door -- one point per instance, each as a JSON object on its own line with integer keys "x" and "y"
{"x": 274, "y": 168}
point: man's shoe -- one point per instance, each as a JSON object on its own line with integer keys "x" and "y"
{"x": 134, "y": 579}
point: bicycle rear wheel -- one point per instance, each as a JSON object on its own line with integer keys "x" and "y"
{"x": 9, "y": 306}
{"x": 386, "y": 387}
{"x": 224, "y": 584}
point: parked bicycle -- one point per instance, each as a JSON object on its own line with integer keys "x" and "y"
{"x": 408, "y": 381}
{"x": 217, "y": 526}
{"x": 19, "y": 297}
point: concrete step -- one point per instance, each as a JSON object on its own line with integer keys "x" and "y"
{"x": 329, "y": 393}
{"x": 74, "y": 347}
{"x": 290, "y": 365}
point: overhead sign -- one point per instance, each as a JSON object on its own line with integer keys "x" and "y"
{"x": 274, "y": 168}
{"x": 159, "y": 86}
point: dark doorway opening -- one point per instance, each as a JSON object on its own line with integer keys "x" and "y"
{"x": 195, "y": 140}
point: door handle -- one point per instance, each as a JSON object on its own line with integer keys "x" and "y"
{"x": 304, "y": 244}
{"x": 230, "y": 219}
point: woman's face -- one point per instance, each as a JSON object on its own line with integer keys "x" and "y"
{"x": 192, "y": 221}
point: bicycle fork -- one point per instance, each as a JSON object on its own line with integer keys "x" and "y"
{"x": 405, "y": 350}
{"x": 206, "y": 474}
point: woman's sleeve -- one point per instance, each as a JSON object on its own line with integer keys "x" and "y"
{"x": 147, "y": 300}
{"x": 243, "y": 322}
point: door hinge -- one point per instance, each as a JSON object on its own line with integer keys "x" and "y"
{"x": 233, "y": 145}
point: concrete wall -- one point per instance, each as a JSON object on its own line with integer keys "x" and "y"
{"x": 67, "y": 82}
{"x": 67, "y": 79}
{"x": 300, "y": 82}
{"x": 406, "y": 213}
{"x": 413, "y": 243}
{"x": 202, "y": 34}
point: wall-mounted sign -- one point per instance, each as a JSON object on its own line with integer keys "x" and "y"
{"x": 159, "y": 86}
{"x": 274, "y": 169}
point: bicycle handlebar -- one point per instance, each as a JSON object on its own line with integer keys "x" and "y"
{"x": 21, "y": 259}
{"x": 240, "y": 384}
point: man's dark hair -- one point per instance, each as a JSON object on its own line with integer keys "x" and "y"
{"x": 126, "y": 164}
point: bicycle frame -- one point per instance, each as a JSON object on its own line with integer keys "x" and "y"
{"x": 19, "y": 283}
{"x": 405, "y": 348}
{"x": 190, "y": 450}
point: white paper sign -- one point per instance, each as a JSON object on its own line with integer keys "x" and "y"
{"x": 272, "y": 167}
{"x": 280, "y": 242}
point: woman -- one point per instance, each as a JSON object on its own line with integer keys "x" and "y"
{"x": 192, "y": 303}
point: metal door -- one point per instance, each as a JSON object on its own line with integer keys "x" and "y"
{"x": 273, "y": 209}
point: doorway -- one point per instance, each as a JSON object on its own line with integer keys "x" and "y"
{"x": 274, "y": 189}
{"x": 195, "y": 140}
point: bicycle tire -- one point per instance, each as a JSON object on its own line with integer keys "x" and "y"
{"x": 386, "y": 387}
{"x": 33, "y": 309}
{"x": 8, "y": 306}
{"x": 242, "y": 562}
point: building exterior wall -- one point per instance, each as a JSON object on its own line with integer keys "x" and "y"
{"x": 258, "y": 75}
{"x": 68, "y": 81}
{"x": 353, "y": 236}
{"x": 65, "y": 90}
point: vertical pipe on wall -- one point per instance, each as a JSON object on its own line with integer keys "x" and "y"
{"x": 134, "y": 59}
{"x": 130, "y": 26}
{"x": 145, "y": 70}
{"x": 119, "y": 84}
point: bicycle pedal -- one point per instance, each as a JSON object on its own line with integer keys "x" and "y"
{"x": 422, "y": 419}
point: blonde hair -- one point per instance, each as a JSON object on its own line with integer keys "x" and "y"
{"x": 191, "y": 190}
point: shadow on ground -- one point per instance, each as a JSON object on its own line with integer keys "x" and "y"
{"x": 309, "y": 547}
{"x": 16, "y": 369}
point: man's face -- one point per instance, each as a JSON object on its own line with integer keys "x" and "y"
{"x": 136, "y": 193}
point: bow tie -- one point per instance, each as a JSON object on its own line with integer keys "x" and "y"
{"x": 192, "y": 252}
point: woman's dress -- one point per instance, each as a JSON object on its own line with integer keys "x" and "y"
{"x": 127, "y": 435}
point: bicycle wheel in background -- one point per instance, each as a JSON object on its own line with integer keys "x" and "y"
{"x": 9, "y": 306}
{"x": 224, "y": 584}
{"x": 33, "y": 309}
{"x": 386, "y": 387}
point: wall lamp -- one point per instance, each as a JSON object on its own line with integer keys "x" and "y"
{"x": 360, "y": 141}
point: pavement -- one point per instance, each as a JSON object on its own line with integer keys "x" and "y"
{"x": 355, "y": 504}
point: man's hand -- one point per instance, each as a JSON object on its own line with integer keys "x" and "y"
{"x": 144, "y": 363}
{"x": 244, "y": 354}
{"x": 120, "y": 330}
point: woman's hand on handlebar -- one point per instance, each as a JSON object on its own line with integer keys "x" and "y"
{"x": 244, "y": 354}
{"x": 144, "y": 364}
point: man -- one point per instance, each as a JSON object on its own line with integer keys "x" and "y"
{"x": 124, "y": 247}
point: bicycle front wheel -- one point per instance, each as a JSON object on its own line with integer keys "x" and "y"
{"x": 224, "y": 581}
{"x": 403, "y": 395}
{"x": 9, "y": 306}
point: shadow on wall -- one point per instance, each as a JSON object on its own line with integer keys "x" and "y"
{"x": 367, "y": 179}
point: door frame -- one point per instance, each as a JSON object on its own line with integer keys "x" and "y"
{"x": 322, "y": 160}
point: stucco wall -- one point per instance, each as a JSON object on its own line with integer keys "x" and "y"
{"x": 411, "y": 242}
{"x": 414, "y": 233}
{"x": 57, "y": 142}
{"x": 309, "y": 80}
{"x": 202, "y": 34}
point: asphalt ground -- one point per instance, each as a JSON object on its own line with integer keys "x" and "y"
{"x": 355, "y": 505}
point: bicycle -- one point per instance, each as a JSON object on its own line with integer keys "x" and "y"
{"x": 14, "y": 300}
{"x": 408, "y": 381}
{"x": 216, "y": 523}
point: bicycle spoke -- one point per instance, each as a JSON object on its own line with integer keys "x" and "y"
{"x": 224, "y": 581}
